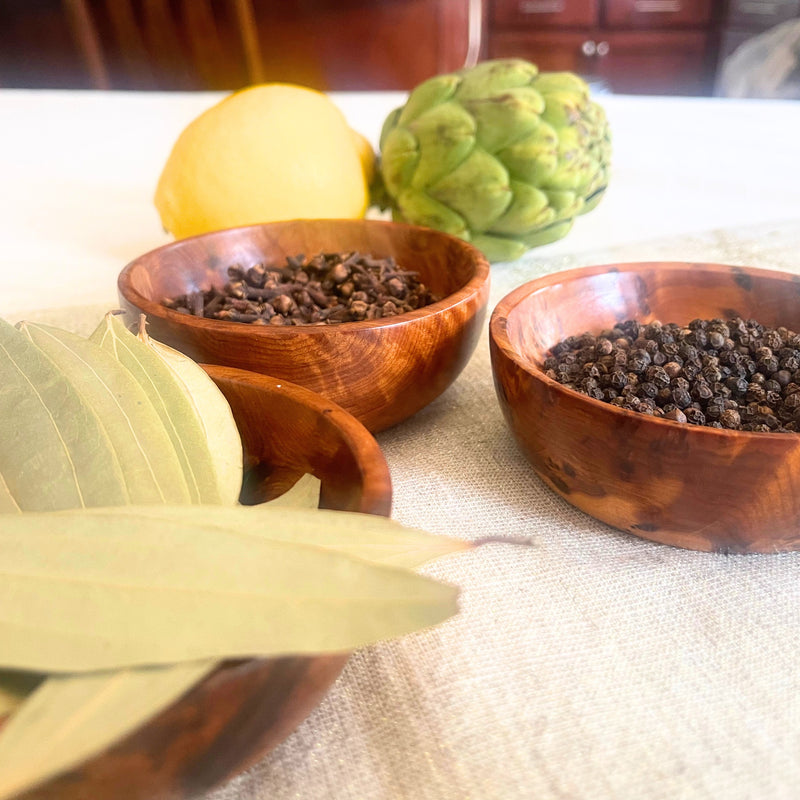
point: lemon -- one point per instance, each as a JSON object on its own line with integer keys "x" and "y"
{"x": 266, "y": 153}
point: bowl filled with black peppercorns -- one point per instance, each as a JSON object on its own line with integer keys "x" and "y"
{"x": 378, "y": 317}
{"x": 661, "y": 397}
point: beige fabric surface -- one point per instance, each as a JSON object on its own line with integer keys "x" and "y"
{"x": 591, "y": 665}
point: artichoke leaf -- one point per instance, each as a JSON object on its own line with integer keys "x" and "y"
{"x": 506, "y": 117}
{"x": 565, "y": 203}
{"x": 563, "y": 109}
{"x": 530, "y": 209}
{"x": 83, "y": 591}
{"x": 499, "y": 248}
{"x": 54, "y": 453}
{"x": 69, "y": 718}
{"x": 446, "y": 137}
{"x": 427, "y": 95}
{"x": 549, "y": 234}
{"x": 399, "y": 159}
{"x": 421, "y": 209}
{"x": 490, "y": 77}
{"x": 150, "y": 466}
{"x": 532, "y": 159}
{"x": 569, "y": 82}
{"x": 478, "y": 189}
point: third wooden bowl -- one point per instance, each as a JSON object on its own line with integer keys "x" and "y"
{"x": 381, "y": 371}
{"x": 241, "y": 711}
{"x": 685, "y": 485}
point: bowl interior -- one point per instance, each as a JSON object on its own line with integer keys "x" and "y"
{"x": 444, "y": 263}
{"x": 546, "y": 311}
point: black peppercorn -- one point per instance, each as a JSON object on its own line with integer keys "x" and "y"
{"x": 733, "y": 374}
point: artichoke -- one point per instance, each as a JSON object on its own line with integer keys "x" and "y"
{"x": 500, "y": 155}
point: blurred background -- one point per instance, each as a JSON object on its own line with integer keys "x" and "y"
{"x": 673, "y": 47}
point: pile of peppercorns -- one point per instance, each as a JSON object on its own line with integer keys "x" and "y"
{"x": 737, "y": 374}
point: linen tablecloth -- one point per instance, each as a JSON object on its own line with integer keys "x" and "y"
{"x": 588, "y": 664}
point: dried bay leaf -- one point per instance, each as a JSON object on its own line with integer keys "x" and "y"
{"x": 377, "y": 539}
{"x": 197, "y": 417}
{"x": 304, "y": 494}
{"x": 14, "y": 688}
{"x": 7, "y": 502}
{"x": 54, "y": 453}
{"x": 90, "y": 591}
{"x": 76, "y": 716}
{"x": 150, "y": 466}
{"x": 69, "y": 718}
{"x": 221, "y": 432}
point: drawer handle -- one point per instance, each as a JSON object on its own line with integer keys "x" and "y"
{"x": 542, "y": 6}
{"x": 591, "y": 48}
{"x": 657, "y": 6}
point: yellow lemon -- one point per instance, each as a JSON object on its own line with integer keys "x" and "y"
{"x": 269, "y": 152}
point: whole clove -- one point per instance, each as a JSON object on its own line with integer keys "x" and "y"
{"x": 327, "y": 289}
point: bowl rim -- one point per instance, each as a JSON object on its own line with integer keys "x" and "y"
{"x": 471, "y": 289}
{"x": 376, "y": 478}
{"x": 498, "y": 336}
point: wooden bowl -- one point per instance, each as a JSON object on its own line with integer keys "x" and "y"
{"x": 242, "y": 710}
{"x": 381, "y": 371}
{"x": 685, "y": 485}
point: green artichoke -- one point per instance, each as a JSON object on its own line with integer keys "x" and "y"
{"x": 500, "y": 155}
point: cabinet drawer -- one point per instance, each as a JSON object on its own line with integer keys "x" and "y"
{"x": 628, "y": 62}
{"x": 546, "y": 13}
{"x": 657, "y": 13}
{"x": 760, "y": 14}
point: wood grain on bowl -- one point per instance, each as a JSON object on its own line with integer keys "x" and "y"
{"x": 689, "y": 486}
{"x": 245, "y": 708}
{"x": 381, "y": 371}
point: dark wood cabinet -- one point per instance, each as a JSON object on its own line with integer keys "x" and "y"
{"x": 227, "y": 44}
{"x": 628, "y": 46}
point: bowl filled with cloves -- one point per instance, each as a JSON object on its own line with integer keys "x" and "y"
{"x": 377, "y": 316}
{"x": 661, "y": 398}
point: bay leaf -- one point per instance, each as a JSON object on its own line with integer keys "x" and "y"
{"x": 58, "y": 733}
{"x": 7, "y": 502}
{"x": 70, "y": 718}
{"x": 91, "y": 591}
{"x": 150, "y": 467}
{"x": 197, "y": 419}
{"x": 221, "y": 433}
{"x": 54, "y": 453}
{"x": 304, "y": 494}
{"x": 372, "y": 538}
{"x": 14, "y": 688}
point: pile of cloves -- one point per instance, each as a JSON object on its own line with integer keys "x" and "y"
{"x": 325, "y": 289}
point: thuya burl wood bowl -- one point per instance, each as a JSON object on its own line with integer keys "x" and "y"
{"x": 685, "y": 485}
{"x": 241, "y": 711}
{"x": 381, "y": 371}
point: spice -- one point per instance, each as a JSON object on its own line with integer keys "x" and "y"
{"x": 326, "y": 289}
{"x": 736, "y": 374}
